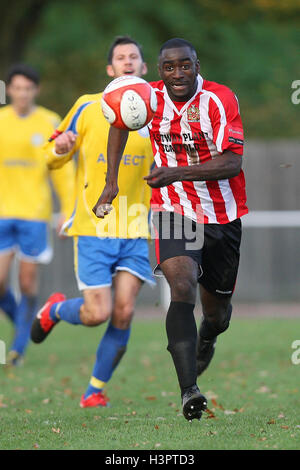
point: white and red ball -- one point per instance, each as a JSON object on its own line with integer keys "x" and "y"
{"x": 129, "y": 102}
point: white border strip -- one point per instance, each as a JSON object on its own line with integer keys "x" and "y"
{"x": 253, "y": 219}
{"x": 271, "y": 219}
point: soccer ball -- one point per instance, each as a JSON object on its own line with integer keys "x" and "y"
{"x": 129, "y": 103}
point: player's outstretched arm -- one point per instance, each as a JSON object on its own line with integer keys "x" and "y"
{"x": 226, "y": 165}
{"x": 117, "y": 139}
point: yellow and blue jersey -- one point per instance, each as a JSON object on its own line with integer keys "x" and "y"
{"x": 129, "y": 219}
{"x": 25, "y": 192}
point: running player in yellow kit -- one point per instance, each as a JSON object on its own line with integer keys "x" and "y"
{"x": 25, "y": 198}
{"x": 104, "y": 251}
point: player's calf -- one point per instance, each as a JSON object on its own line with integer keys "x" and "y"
{"x": 207, "y": 338}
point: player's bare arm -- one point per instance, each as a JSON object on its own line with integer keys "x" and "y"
{"x": 117, "y": 139}
{"x": 227, "y": 165}
{"x": 65, "y": 142}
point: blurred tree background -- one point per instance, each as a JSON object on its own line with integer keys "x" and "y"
{"x": 252, "y": 46}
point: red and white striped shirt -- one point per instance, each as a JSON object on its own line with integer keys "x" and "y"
{"x": 203, "y": 128}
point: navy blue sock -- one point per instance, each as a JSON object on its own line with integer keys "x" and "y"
{"x": 25, "y": 314}
{"x": 9, "y": 305}
{"x": 68, "y": 310}
{"x": 109, "y": 353}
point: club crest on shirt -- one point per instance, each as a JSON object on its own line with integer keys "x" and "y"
{"x": 37, "y": 140}
{"x": 193, "y": 113}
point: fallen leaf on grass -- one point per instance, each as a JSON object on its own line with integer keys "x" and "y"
{"x": 83, "y": 425}
{"x": 210, "y": 414}
{"x": 36, "y": 446}
{"x": 285, "y": 427}
{"x": 229, "y": 412}
{"x": 151, "y": 398}
{"x": 65, "y": 380}
{"x": 172, "y": 405}
{"x": 28, "y": 411}
{"x": 127, "y": 401}
{"x": 151, "y": 378}
{"x": 241, "y": 410}
{"x": 263, "y": 389}
{"x": 214, "y": 403}
{"x": 271, "y": 421}
{"x": 56, "y": 430}
{"x": 156, "y": 427}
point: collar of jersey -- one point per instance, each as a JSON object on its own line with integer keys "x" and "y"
{"x": 183, "y": 109}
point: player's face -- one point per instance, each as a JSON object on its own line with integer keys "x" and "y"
{"x": 126, "y": 60}
{"x": 22, "y": 92}
{"x": 178, "y": 68}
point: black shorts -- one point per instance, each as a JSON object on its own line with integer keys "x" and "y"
{"x": 215, "y": 247}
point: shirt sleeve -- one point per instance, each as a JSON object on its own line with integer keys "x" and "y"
{"x": 226, "y": 122}
{"x": 72, "y": 121}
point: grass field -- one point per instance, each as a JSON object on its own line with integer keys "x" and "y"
{"x": 252, "y": 389}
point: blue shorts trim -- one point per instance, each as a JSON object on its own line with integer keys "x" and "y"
{"x": 30, "y": 239}
{"x": 97, "y": 260}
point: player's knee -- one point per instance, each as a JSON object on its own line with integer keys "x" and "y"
{"x": 94, "y": 315}
{"x": 28, "y": 284}
{"x": 219, "y": 318}
{"x": 183, "y": 290}
{"x": 122, "y": 315}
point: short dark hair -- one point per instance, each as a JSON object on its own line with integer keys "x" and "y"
{"x": 120, "y": 40}
{"x": 177, "y": 42}
{"x": 25, "y": 70}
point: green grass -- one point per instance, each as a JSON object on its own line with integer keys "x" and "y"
{"x": 255, "y": 385}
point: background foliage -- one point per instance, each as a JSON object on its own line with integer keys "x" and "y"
{"x": 252, "y": 46}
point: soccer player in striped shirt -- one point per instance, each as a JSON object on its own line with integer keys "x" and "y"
{"x": 198, "y": 185}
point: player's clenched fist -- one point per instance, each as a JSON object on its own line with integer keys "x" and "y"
{"x": 103, "y": 205}
{"x": 65, "y": 142}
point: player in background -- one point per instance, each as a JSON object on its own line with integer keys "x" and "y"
{"x": 114, "y": 251}
{"x": 197, "y": 139}
{"x": 25, "y": 199}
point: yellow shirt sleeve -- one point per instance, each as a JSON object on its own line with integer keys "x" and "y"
{"x": 70, "y": 122}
